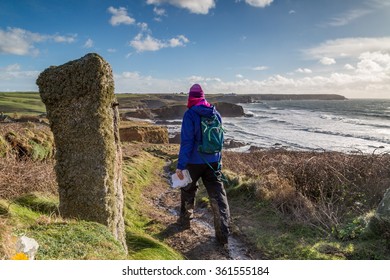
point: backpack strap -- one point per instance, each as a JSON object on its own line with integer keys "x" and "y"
{"x": 220, "y": 176}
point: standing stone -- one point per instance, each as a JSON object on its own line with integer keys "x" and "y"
{"x": 83, "y": 114}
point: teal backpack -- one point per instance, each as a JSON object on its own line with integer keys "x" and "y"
{"x": 212, "y": 141}
{"x": 212, "y": 135}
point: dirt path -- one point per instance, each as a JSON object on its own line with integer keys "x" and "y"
{"x": 198, "y": 242}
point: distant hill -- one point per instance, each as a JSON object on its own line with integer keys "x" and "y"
{"x": 297, "y": 97}
{"x": 152, "y": 101}
{"x": 30, "y": 102}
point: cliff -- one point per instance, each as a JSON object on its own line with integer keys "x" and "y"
{"x": 143, "y": 132}
{"x": 156, "y": 101}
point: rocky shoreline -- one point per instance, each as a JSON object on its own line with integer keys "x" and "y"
{"x": 167, "y": 110}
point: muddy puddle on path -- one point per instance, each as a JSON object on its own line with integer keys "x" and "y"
{"x": 198, "y": 242}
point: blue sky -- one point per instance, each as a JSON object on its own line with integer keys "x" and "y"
{"x": 241, "y": 46}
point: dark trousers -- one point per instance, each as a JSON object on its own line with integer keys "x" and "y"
{"x": 216, "y": 192}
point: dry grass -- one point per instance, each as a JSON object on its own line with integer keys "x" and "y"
{"x": 323, "y": 189}
{"x": 26, "y": 160}
{"x": 18, "y": 177}
{"x": 5, "y": 240}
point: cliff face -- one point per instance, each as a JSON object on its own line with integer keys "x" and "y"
{"x": 173, "y": 106}
{"x": 144, "y": 133}
{"x": 229, "y": 109}
{"x": 177, "y": 111}
{"x": 156, "y": 101}
{"x": 170, "y": 112}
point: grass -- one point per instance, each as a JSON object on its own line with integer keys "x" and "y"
{"x": 35, "y": 216}
{"x": 140, "y": 173}
{"x": 26, "y": 211}
{"x": 21, "y": 103}
{"x": 76, "y": 240}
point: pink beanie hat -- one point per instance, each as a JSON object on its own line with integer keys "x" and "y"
{"x": 196, "y": 91}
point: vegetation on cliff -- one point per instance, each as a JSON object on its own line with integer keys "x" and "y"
{"x": 284, "y": 204}
{"x": 29, "y": 206}
{"x": 287, "y": 205}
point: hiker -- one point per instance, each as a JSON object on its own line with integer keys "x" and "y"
{"x": 201, "y": 165}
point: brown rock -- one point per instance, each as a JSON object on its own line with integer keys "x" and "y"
{"x": 170, "y": 112}
{"x": 229, "y": 109}
{"x": 145, "y": 133}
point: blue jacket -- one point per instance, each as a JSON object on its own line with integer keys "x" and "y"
{"x": 191, "y": 137}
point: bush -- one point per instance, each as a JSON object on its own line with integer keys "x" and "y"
{"x": 324, "y": 189}
{"x": 18, "y": 177}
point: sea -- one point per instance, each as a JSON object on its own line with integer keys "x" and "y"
{"x": 349, "y": 126}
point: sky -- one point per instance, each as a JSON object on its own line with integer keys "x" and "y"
{"x": 227, "y": 46}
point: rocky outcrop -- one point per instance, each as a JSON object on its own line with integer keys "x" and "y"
{"x": 83, "y": 114}
{"x": 231, "y": 144}
{"x": 144, "y": 133}
{"x": 170, "y": 112}
{"x": 229, "y": 109}
{"x": 137, "y": 113}
{"x": 177, "y": 111}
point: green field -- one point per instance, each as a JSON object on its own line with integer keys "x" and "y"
{"x": 29, "y": 103}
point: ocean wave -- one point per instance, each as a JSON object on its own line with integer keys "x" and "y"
{"x": 279, "y": 121}
{"x": 349, "y": 135}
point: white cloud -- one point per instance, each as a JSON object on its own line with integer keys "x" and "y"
{"x": 259, "y": 3}
{"x": 259, "y": 68}
{"x": 88, "y": 44}
{"x": 64, "y": 39}
{"x": 111, "y": 50}
{"x": 14, "y": 77}
{"x": 348, "y": 17}
{"x": 120, "y": 16}
{"x": 292, "y": 12}
{"x": 18, "y": 41}
{"x": 374, "y": 64}
{"x": 349, "y": 67}
{"x": 179, "y": 41}
{"x": 144, "y": 26}
{"x": 146, "y": 42}
{"x": 304, "y": 70}
{"x": 327, "y": 61}
{"x": 348, "y": 47}
{"x": 368, "y": 77}
{"x": 159, "y": 11}
{"x": 134, "y": 76}
{"x": 196, "y": 7}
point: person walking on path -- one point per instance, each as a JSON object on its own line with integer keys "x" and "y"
{"x": 201, "y": 165}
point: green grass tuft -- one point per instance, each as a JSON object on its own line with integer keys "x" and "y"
{"x": 39, "y": 203}
{"x": 76, "y": 240}
{"x": 139, "y": 174}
